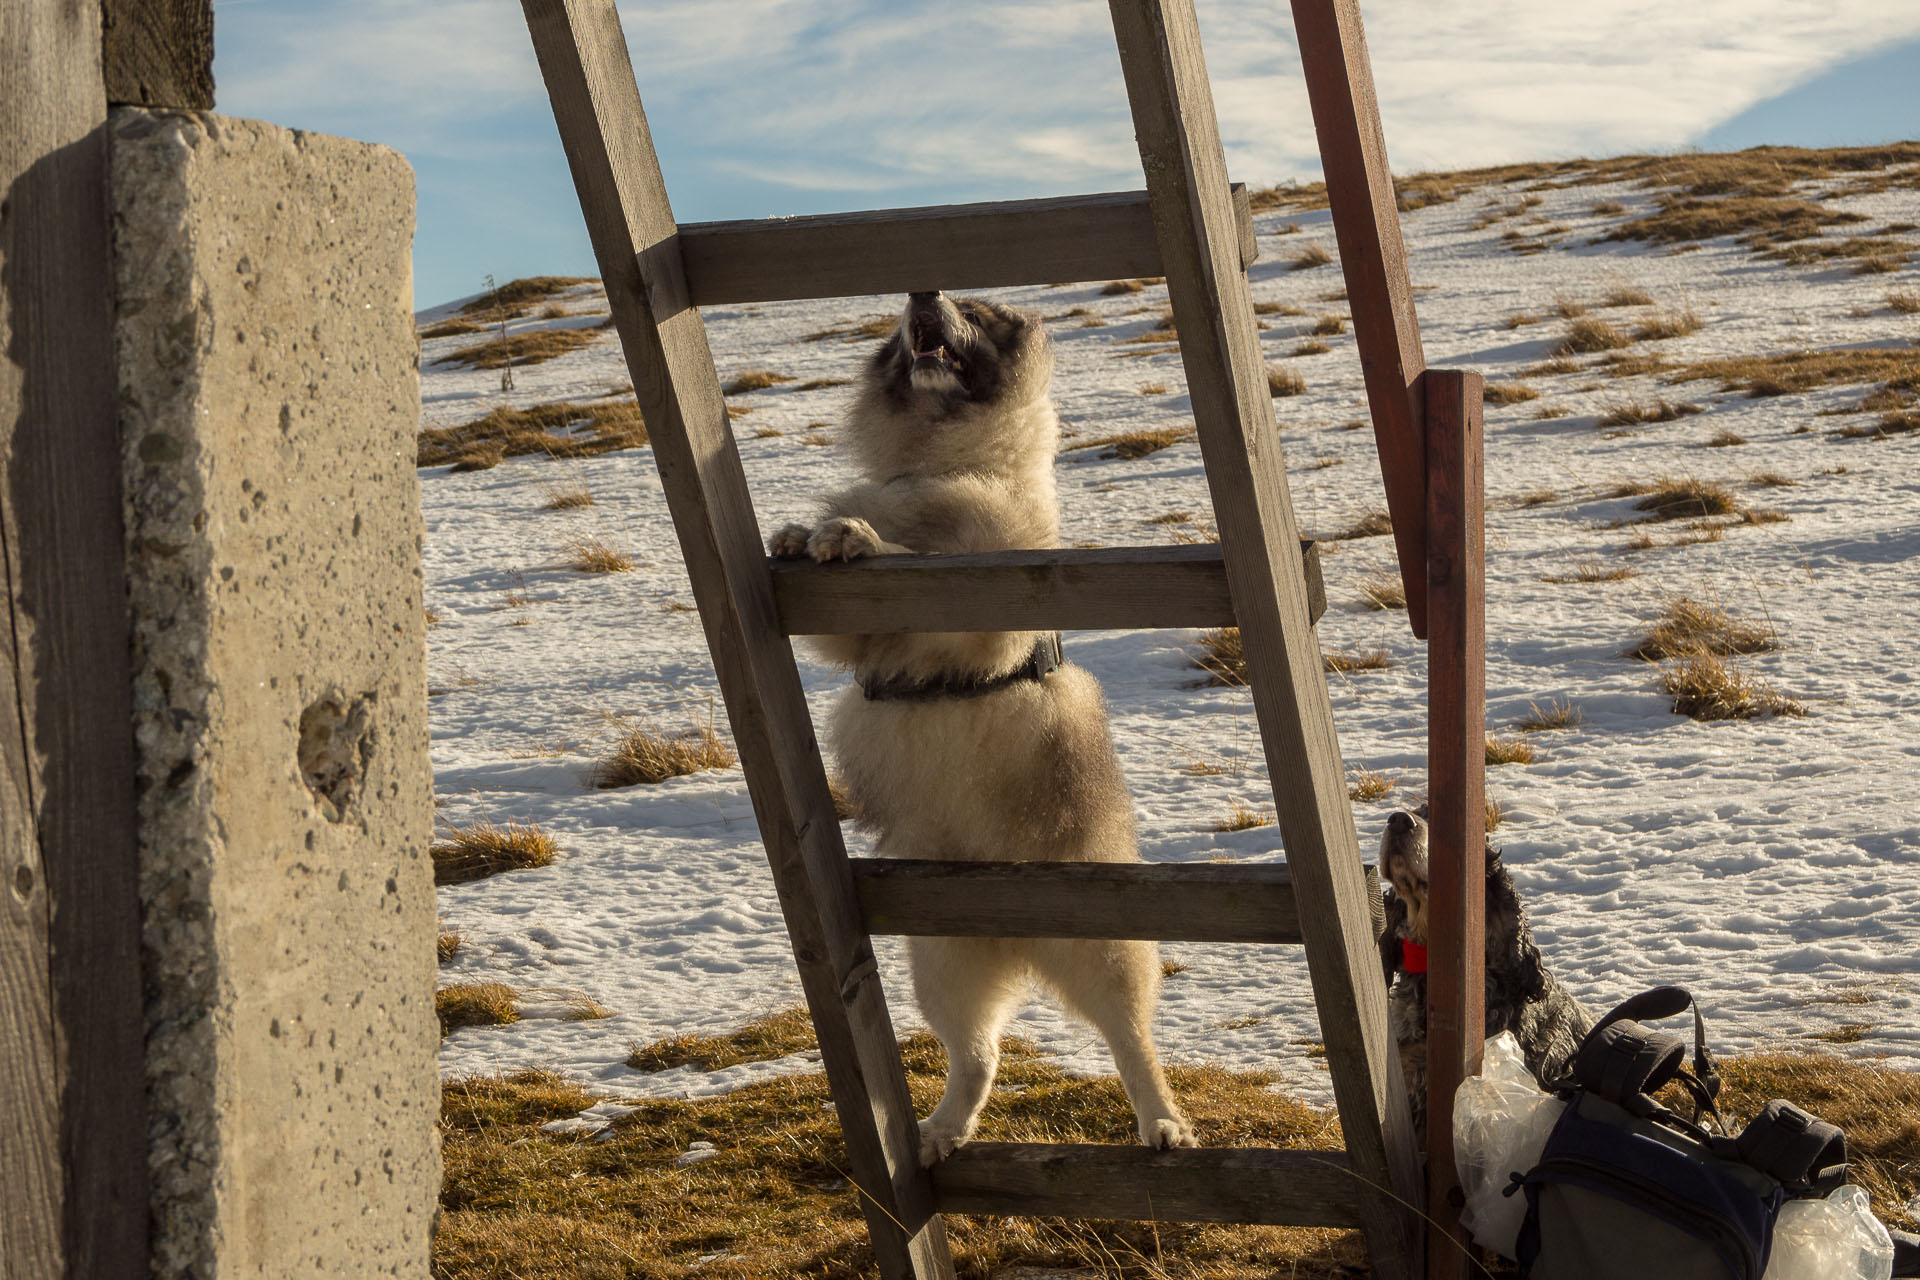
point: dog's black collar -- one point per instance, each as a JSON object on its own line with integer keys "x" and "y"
{"x": 1041, "y": 663}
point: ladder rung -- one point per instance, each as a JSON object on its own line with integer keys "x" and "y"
{"x": 1066, "y": 589}
{"x": 1160, "y": 902}
{"x": 1059, "y": 240}
{"x": 1205, "y": 1184}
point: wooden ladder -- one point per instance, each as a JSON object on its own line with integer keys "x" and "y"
{"x": 1194, "y": 229}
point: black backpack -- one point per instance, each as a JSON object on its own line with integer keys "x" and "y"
{"x": 1628, "y": 1190}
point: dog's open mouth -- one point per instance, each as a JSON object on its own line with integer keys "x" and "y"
{"x": 928, "y": 339}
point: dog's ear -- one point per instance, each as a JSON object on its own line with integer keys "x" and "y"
{"x": 1390, "y": 936}
{"x": 1516, "y": 973}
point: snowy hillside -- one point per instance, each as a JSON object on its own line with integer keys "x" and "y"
{"x": 1771, "y": 864}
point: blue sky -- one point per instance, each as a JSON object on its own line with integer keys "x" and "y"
{"x": 763, "y": 107}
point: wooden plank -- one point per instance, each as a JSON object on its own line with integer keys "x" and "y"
{"x": 1220, "y": 345}
{"x": 158, "y": 53}
{"x": 1161, "y": 902}
{"x": 1060, "y": 240}
{"x": 1456, "y": 775}
{"x": 1069, "y": 589}
{"x": 583, "y": 57}
{"x": 1204, "y": 1184}
{"x": 1366, "y": 222}
{"x": 73, "y": 1118}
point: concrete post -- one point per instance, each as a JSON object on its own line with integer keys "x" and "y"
{"x": 269, "y": 397}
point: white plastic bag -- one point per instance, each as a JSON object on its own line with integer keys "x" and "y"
{"x": 1501, "y": 1121}
{"x": 1837, "y": 1238}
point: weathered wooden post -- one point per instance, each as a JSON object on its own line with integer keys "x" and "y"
{"x": 216, "y": 1027}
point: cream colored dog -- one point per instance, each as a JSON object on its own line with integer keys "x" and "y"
{"x": 980, "y": 745}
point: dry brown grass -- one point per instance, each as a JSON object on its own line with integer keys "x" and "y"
{"x": 753, "y": 380}
{"x": 1626, "y": 295}
{"x": 1708, "y": 688}
{"x": 1760, "y": 220}
{"x": 821, "y": 384}
{"x": 1554, "y": 364}
{"x": 1153, "y": 388}
{"x": 565, "y": 497}
{"x": 1593, "y": 571}
{"x": 1241, "y": 818}
{"x": 858, "y": 331}
{"x": 1725, "y": 440}
{"x": 1222, "y": 657}
{"x": 1589, "y": 336}
{"x": 1367, "y": 785}
{"x": 1795, "y": 371}
{"x": 1520, "y": 320}
{"x": 1284, "y": 381}
{"x": 1509, "y": 749}
{"x": 1888, "y": 425}
{"x": 1688, "y": 628}
{"x": 1359, "y": 660}
{"x": 1607, "y": 208}
{"x": 475, "y": 1004}
{"x": 451, "y": 328}
{"x": 1381, "y": 593}
{"x": 1311, "y": 347}
{"x": 1568, "y": 308}
{"x": 532, "y": 347}
{"x": 646, "y": 755}
{"x": 1496, "y": 814}
{"x": 486, "y": 848}
{"x": 1312, "y": 255}
{"x": 445, "y": 944}
{"x": 1276, "y": 309}
{"x": 1904, "y": 301}
{"x": 1682, "y": 498}
{"x": 1668, "y": 324}
{"x": 1559, "y": 713}
{"x": 777, "y": 1035}
{"x": 1374, "y": 524}
{"x": 1510, "y": 393}
{"x": 1328, "y": 326}
{"x": 589, "y": 428}
{"x": 593, "y": 553}
{"x": 1135, "y": 444}
{"x": 1634, "y": 412}
{"x": 776, "y": 1201}
{"x": 522, "y": 292}
{"x": 1116, "y": 288}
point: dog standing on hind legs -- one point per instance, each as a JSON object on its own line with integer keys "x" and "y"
{"x": 980, "y": 745}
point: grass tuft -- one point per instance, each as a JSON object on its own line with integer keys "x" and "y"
{"x": 1688, "y": 628}
{"x": 1593, "y": 571}
{"x": 778, "y": 1035}
{"x": 1311, "y": 347}
{"x": 1686, "y": 498}
{"x": 1116, "y": 288}
{"x": 559, "y": 429}
{"x": 644, "y": 755}
{"x": 1360, "y": 660}
{"x": 486, "y": 848}
{"x": 534, "y": 346}
{"x": 1313, "y": 255}
{"x": 1591, "y": 335}
{"x": 565, "y": 498}
{"x": 753, "y": 380}
{"x": 1509, "y": 749}
{"x": 1624, "y": 295}
{"x": 475, "y": 1004}
{"x": 1241, "y": 818}
{"x": 1383, "y": 593}
{"x": 1707, "y": 688}
{"x": 594, "y": 554}
{"x": 1510, "y": 393}
{"x": 1633, "y": 412}
{"x": 1328, "y": 326}
{"x": 1368, "y": 785}
{"x": 445, "y": 944}
{"x": 1559, "y": 713}
{"x": 1668, "y": 324}
{"x": 1904, "y": 301}
{"x": 1283, "y": 381}
{"x": 1136, "y": 444}
{"x": 1373, "y": 524}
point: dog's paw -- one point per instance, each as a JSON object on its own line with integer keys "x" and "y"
{"x": 937, "y": 1143}
{"x": 1163, "y": 1132}
{"x": 790, "y": 543}
{"x": 843, "y": 538}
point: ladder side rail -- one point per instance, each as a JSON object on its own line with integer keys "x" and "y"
{"x": 583, "y": 57}
{"x": 1186, "y": 177}
{"x": 1059, "y": 240}
{"x": 1456, "y": 776}
{"x": 1366, "y": 223}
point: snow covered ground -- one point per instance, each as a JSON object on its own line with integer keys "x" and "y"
{"x": 1773, "y": 866}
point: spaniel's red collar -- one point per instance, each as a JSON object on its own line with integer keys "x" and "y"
{"x": 1413, "y": 957}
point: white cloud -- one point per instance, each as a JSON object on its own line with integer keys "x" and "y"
{"x": 1013, "y": 97}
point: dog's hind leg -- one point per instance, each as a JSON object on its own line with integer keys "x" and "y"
{"x": 1114, "y": 986}
{"x": 967, "y": 988}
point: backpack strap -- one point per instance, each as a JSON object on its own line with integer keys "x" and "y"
{"x": 1625, "y": 1062}
{"x": 1802, "y": 1152}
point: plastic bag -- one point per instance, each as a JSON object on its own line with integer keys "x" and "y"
{"x": 1837, "y": 1238}
{"x": 1501, "y": 1120}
